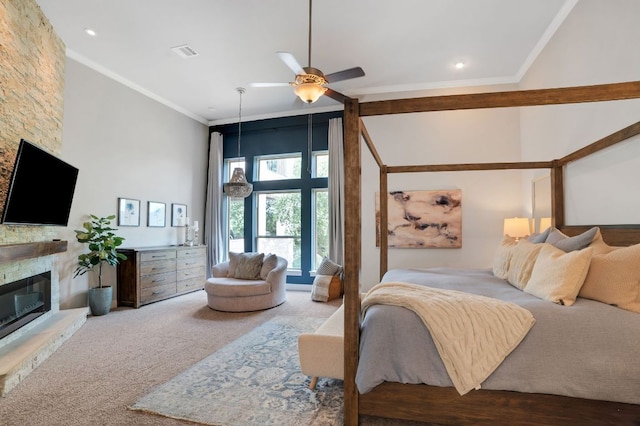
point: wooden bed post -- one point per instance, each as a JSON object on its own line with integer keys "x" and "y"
{"x": 384, "y": 220}
{"x": 353, "y": 242}
{"x": 557, "y": 195}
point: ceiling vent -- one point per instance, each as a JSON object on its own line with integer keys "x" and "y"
{"x": 184, "y": 51}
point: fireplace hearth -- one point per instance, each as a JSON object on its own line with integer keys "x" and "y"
{"x": 23, "y": 301}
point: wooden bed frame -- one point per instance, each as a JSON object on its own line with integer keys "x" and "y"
{"x": 444, "y": 405}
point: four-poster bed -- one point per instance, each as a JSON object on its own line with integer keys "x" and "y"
{"x": 443, "y": 404}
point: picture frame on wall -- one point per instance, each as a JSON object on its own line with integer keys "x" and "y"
{"x": 156, "y": 214}
{"x": 128, "y": 212}
{"x": 178, "y": 214}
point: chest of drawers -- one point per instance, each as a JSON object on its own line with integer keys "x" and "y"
{"x": 151, "y": 274}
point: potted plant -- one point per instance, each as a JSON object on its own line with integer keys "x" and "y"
{"x": 102, "y": 241}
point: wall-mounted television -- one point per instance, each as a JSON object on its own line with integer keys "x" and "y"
{"x": 41, "y": 188}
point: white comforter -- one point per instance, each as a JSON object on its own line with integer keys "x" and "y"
{"x": 473, "y": 334}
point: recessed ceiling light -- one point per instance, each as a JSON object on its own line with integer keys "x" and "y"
{"x": 90, "y": 32}
{"x": 459, "y": 65}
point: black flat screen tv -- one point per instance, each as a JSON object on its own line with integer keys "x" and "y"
{"x": 41, "y": 188}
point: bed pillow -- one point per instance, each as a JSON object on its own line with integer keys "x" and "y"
{"x": 557, "y": 275}
{"x": 599, "y": 246}
{"x": 521, "y": 264}
{"x": 614, "y": 278}
{"x": 503, "y": 257}
{"x": 270, "y": 261}
{"x": 540, "y": 237}
{"x": 249, "y": 266}
{"x": 577, "y": 242}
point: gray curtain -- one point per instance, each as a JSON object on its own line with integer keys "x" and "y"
{"x": 336, "y": 191}
{"x": 213, "y": 236}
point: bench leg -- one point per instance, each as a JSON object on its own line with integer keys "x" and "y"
{"x": 314, "y": 381}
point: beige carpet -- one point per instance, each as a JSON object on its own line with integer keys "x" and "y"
{"x": 115, "y": 359}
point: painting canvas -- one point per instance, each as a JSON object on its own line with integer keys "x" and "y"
{"x": 423, "y": 219}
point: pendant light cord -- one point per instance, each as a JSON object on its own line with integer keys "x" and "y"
{"x": 309, "y": 142}
{"x": 241, "y": 91}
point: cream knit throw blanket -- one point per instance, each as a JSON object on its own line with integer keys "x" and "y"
{"x": 473, "y": 334}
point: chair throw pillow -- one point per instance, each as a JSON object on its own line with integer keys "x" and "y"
{"x": 328, "y": 267}
{"x": 270, "y": 261}
{"x": 248, "y": 266}
{"x": 326, "y": 288}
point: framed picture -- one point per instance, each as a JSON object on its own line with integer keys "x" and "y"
{"x": 178, "y": 214}
{"x": 156, "y": 214}
{"x": 128, "y": 212}
{"x": 422, "y": 219}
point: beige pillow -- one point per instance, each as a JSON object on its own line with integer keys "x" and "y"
{"x": 558, "y": 275}
{"x": 270, "y": 261}
{"x": 503, "y": 257}
{"x": 521, "y": 264}
{"x": 233, "y": 264}
{"x": 599, "y": 246}
{"x": 614, "y": 278}
{"x": 249, "y": 266}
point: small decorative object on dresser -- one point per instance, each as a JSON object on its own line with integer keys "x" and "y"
{"x": 103, "y": 244}
{"x": 151, "y": 274}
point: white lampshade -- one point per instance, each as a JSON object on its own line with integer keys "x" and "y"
{"x": 545, "y": 222}
{"x": 309, "y": 92}
{"x": 516, "y": 227}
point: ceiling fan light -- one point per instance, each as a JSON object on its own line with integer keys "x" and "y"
{"x": 309, "y": 92}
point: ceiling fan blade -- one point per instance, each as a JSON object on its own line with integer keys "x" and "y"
{"x": 268, "y": 84}
{"x": 344, "y": 74}
{"x": 291, "y": 62}
{"x": 336, "y": 96}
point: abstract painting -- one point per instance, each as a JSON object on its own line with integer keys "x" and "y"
{"x": 422, "y": 219}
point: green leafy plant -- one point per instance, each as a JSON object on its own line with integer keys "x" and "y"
{"x": 102, "y": 241}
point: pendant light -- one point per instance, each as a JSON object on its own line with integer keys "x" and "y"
{"x": 238, "y": 187}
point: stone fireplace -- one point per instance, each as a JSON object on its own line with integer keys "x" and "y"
{"x": 32, "y": 326}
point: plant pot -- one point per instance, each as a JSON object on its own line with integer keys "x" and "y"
{"x": 100, "y": 300}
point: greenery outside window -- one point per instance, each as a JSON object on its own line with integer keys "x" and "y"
{"x": 279, "y": 167}
{"x": 279, "y": 225}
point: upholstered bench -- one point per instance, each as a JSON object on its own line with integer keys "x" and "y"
{"x": 229, "y": 290}
{"x": 322, "y": 352}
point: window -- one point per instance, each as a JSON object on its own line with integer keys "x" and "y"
{"x": 287, "y": 213}
{"x": 234, "y": 212}
{"x": 320, "y": 223}
{"x": 320, "y": 164}
{"x": 279, "y": 225}
{"x": 278, "y": 167}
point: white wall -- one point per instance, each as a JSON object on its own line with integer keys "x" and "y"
{"x": 597, "y": 43}
{"x": 125, "y": 145}
{"x": 481, "y": 136}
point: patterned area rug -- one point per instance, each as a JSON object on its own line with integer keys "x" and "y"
{"x": 254, "y": 380}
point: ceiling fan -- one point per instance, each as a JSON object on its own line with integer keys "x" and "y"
{"x": 310, "y": 83}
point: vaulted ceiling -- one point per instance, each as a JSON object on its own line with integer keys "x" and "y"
{"x": 402, "y": 45}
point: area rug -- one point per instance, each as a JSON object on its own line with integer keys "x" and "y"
{"x": 254, "y": 380}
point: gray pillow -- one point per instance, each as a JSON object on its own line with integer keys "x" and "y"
{"x": 328, "y": 267}
{"x": 567, "y": 244}
{"x": 540, "y": 237}
{"x": 233, "y": 264}
{"x": 249, "y": 266}
{"x": 270, "y": 261}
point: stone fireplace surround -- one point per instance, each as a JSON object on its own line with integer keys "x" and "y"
{"x": 26, "y": 348}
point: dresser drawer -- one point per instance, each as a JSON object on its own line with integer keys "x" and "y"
{"x": 190, "y": 284}
{"x": 157, "y": 266}
{"x": 157, "y": 293}
{"x": 157, "y": 255}
{"x": 191, "y": 252}
{"x": 155, "y": 280}
{"x": 185, "y": 274}
{"x": 190, "y": 262}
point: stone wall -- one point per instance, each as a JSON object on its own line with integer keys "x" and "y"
{"x": 32, "y": 61}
